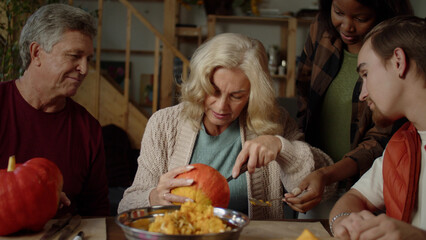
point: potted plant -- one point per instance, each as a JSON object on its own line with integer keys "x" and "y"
{"x": 13, "y": 15}
{"x": 248, "y": 7}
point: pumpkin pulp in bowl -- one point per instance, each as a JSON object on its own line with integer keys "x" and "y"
{"x": 190, "y": 219}
{"x": 135, "y": 224}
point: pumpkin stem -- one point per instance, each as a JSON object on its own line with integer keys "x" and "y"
{"x": 11, "y": 166}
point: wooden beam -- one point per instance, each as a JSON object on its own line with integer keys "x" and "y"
{"x": 185, "y": 72}
{"x": 3, "y": 20}
{"x": 282, "y": 82}
{"x": 151, "y": 27}
{"x": 211, "y": 26}
{"x": 166, "y": 83}
{"x": 123, "y": 51}
{"x": 156, "y": 83}
{"x": 96, "y": 94}
{"x": 291, "y": 58}
{"x": 190, "y": 32}
{"x": 127, "y": 70}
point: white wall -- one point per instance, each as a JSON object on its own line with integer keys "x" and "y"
{"x": 419, "y": 7}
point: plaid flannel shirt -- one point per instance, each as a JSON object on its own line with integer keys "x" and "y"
{"x": 320, "y": 62}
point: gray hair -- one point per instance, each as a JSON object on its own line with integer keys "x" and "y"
{"x": 232, "y": 50}
{"x": 47, "y": 25}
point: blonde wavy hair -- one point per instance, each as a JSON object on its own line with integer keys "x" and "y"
{"x": 232, "y": 50}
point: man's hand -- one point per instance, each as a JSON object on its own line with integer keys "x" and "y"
{"x": 64, "y": 200}
{"x": 308, "y": 194}
{"x": 365, "y": 225}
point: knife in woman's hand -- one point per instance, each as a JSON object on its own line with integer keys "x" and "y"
{"x": 243, "y": 169}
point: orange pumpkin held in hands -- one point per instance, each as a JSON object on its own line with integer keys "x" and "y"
{"x": 29, "y": 194}
{"x": 209, "y": 186}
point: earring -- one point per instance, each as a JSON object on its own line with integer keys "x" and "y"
{"x": 400, "y": 75}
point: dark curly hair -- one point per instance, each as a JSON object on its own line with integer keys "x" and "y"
{"x": 384, "y": 9}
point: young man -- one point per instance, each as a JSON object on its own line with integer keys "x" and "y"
{"x": 391, "y": 63}
{"x": 39, "y": 119}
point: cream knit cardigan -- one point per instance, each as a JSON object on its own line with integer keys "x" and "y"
{"x": 168, "y": 142}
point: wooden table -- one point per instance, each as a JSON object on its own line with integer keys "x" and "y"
{"x": 114, "y": 232}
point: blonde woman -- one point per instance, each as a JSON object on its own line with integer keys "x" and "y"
{"x": 227, "y": 116}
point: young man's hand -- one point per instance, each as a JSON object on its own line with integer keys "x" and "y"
{"x": 365, "y": 225}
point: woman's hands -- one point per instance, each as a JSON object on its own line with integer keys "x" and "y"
{"x": 309, "y": 193}
{"x": 313, "y": 185}
{"x": 161, "y": 194}
{"x": 258, "y": 152}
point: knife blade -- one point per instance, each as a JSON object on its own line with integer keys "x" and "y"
{"x": 57, "y": 226}
{"x": 70, "y": 228}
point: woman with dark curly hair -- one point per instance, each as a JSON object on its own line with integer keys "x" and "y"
{"x": 330, "y": 113}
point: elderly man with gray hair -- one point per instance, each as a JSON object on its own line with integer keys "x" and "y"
{"x": 39, "y": 119}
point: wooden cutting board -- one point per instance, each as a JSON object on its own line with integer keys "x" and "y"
{"x": 281, "y": 230}
{"x": 94, "y": 229}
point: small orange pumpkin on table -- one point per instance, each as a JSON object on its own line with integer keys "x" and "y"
{"x": 209, "y": 187}
{"x": 29, "y": 194}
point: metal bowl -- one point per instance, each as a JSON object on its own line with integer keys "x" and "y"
{"x": 236, "y": 220}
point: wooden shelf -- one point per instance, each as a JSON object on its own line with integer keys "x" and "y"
{"x": 189, "y": 32}
{"x": 250, "y": 18}
{"x": 280, "y": 77}
{"x": 123, "y": 51}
